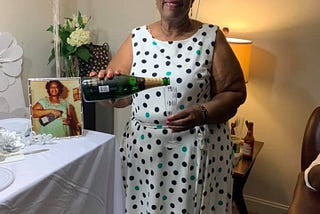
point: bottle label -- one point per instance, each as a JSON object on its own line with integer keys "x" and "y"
{"x": 45, "y": 119}
{"x": 104, "y": 88}
{"x": 247, "y": 149}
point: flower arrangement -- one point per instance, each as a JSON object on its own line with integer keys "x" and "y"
{"x": 73, "y": 39}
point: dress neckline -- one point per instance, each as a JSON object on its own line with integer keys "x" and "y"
{"x": 171, "y": 41}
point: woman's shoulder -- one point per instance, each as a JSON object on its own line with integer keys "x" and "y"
{"x": 209, "y": 26}
{"x": 64, "y": 102}
{"x": 43, "y": 100}
{"x": 140, "y": 28}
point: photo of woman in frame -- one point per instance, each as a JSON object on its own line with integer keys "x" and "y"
{"x": 54, "y": 108}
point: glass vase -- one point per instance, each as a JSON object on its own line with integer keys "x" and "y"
{"x": 69, "y": 66}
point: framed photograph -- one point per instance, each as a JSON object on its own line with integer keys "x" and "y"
{"x": 55, "y": 106}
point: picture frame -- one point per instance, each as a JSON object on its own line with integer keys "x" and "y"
{"x": 55, "y": 106}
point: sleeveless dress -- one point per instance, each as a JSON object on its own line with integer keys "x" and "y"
{"x": 56, "y": 127}
{"x": 195, "y": 175}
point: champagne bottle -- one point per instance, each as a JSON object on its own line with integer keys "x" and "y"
{"x": 46, "y": 119}
{"x": 95, "y": 89}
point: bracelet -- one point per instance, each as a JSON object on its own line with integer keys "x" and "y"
{"x": 204, "y": 113}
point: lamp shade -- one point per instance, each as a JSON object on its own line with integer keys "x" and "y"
{"x": 242, "y": 50}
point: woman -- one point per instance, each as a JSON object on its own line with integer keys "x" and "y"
{"x": 195, "y": 176}
{"x": 56, "y": 115}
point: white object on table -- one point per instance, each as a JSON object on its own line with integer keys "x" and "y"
{"x": 6, "y": 178}
{"x": 18, "y": 125}
{"x": 77, "y": 175}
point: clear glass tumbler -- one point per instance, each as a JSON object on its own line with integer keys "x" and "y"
{"x": 170, "y": 98}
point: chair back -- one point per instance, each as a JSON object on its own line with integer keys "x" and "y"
{"x": 311, "y": 139}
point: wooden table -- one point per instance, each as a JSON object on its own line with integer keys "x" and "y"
{"x": 240, "y": 175}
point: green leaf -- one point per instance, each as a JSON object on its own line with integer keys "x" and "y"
{"x": 80, "y": 20}
{"x": 52, "y": 56}
{"x": 83, "y": 53}
{"x": 50, "y": 29}
{"x": 70, "y": 50}
{"x": 68, "y": 27}
{"x": 64, "y": 36}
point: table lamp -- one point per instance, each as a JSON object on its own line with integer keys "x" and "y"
{"x": 242, "y": 50}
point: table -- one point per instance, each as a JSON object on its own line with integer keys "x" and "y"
{"x": 76, "y": 176}
{"x": 240, "y": 175}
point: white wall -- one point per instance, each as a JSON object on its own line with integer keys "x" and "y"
{"x": 283, "y": 84}
{"x": 28, "y": 21}
{"x": 282, "y": 89}
{"x": 113, "y": 21}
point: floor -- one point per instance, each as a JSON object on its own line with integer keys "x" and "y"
{"x": 235, "y": 211}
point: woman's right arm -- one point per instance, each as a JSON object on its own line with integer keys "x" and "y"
{"x": 120, "y": 64}
{"x": 38, "y": 111}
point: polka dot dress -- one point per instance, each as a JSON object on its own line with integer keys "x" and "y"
{"x": 194, "y": 175}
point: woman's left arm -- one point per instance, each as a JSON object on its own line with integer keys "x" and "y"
{"x": 72, "y": 120}
{"x": 228, "y": 85}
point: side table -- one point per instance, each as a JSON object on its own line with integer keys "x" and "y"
{"x": 240, "y": 175}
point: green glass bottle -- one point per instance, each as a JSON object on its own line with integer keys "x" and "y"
{"x": 95, "y": 89}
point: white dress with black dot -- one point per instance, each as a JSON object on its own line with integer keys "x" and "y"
{"x": 194, "y": 176}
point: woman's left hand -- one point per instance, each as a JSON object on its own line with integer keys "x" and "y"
{"x": 185, "y": 119}
{"x": 66, "y": 121}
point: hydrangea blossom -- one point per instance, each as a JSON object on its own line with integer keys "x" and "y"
{"x": 73, "y": 37}
{"x": 78, "y": 37}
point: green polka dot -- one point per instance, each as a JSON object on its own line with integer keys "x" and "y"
{"x": 159, "y": 126}
{"x": 168, "y": 73}
{"x": 142, "y": 137}
{"x": 220, "y": 169}
{"x": 220, "y": 203}
{"x": 198, "y": 52}
{"x": 160, "y": 165}
{"x": 184, "y": 149}
{"x": 192, "y": 177}
{"x": 137, "y": 188}
{"x": 181, "y": 107}
{"x": 147, "y": 114}
{"x": 154, "y": 43}
{"x": 164, "y": 197}
{"x": 207, "y": 141}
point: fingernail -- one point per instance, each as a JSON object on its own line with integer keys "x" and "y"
{"x": 109, "y": 75}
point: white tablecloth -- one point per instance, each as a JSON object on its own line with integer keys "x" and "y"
{"x": 76, "y": 176}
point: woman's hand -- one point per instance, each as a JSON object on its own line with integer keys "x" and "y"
{"x": 56, "y": 113}
{"x": 109, "y": 73}
{"x": 66, "y": 121}
{"x": 185, "y": 119}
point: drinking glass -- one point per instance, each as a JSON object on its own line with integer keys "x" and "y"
{"x": 239, "y": 121}
{"x": 170, "y": 98}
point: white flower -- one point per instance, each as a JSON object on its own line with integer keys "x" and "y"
{"x": 85, "y": 19}
{"x": 70, "y": 23}
{"x": 75, "y": 23}
{"x": 78, "y": 37}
